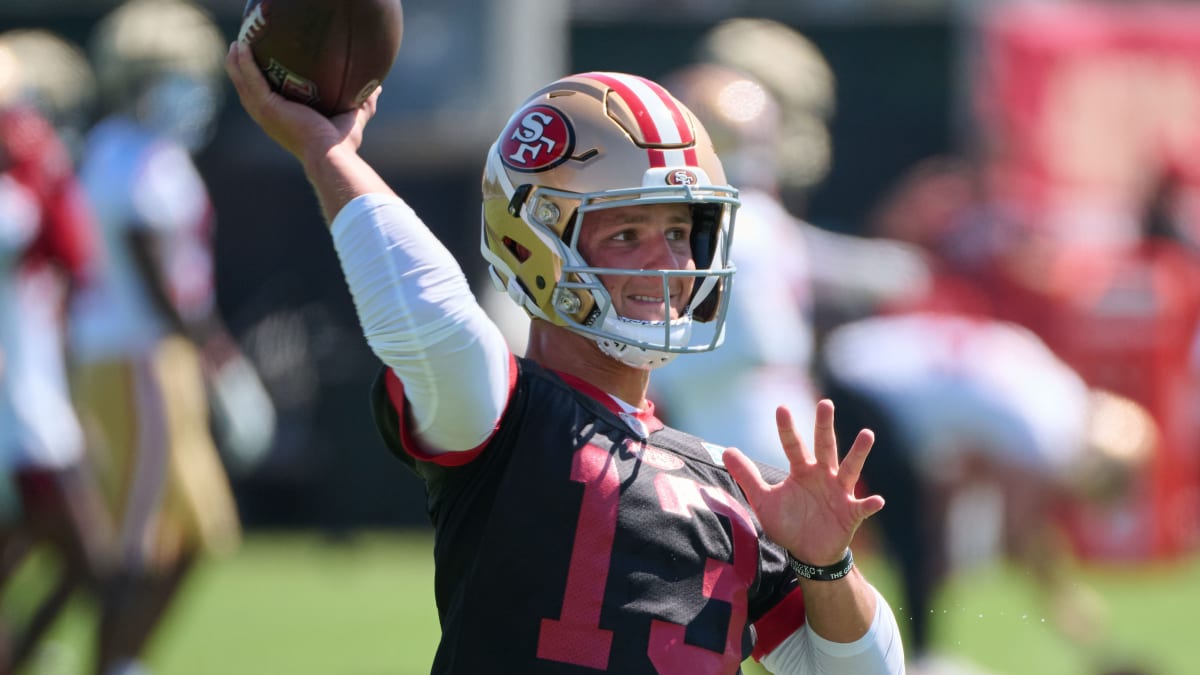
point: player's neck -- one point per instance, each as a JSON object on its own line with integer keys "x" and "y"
{"x": 558, "y": 349}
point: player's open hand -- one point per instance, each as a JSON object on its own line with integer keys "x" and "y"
{"x": 296, "y": 127}
{"x": 814, "y": 512}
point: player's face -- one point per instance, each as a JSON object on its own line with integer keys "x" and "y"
{"x": 644, "y": 237}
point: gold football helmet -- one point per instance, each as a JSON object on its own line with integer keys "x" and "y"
{"x": 162, "y": 61}
{"x": 595, "y": 141}
{"x": 798, "y": 76}
{"x": 43, "y": 69}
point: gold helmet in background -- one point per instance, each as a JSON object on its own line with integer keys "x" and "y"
{"x": 595, "y": 141}
{"x": 45, "y": 70}
{"x": 796, "y": 73}
{"x": 742, "y": 117}
{"x": 161, "y": 60}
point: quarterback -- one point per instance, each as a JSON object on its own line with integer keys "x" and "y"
{"x": 574, "y": 532}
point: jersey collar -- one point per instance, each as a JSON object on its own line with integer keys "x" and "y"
{"x": 642, "y": 422}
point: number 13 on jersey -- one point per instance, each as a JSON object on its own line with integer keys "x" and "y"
{"x": 576, "y": 636}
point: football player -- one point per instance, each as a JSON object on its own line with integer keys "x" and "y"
{"x": 573, "y": 529}
{"x": 146, "y": 328}
{"x": 987, "y": 439}
{"x": 53, "y": 75}
{"x": 46, "y": 245}
{"x": 790, "y": 272}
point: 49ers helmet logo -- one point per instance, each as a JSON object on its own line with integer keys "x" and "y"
{"x": 683, "y": 177}
{"x": 538, "y": 138}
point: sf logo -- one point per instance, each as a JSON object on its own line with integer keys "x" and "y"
{"x": 531, "y": 134}
{"x": 682, "y": 177}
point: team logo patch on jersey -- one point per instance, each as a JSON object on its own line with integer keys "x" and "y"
{"x": 658, "y": 458}
{"x": 537, "y": 139}
{"x": 682, "y": 177}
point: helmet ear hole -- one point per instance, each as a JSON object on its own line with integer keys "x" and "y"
{"x": 517, "y": 250}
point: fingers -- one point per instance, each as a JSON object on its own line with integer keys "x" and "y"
{"x": 354, "y": 121}
{"x": 869, "y": 506}
{"x": 231, "y": 67}
{"x": 851, "y": 467}
{"x": 824, "y": 438}
{"x": 372, "y": 102}
{"x": 825, "y": 448}
{"x": 247, "y": 79}
{"x": 745, "y": 473}
{"x": 793, "y": 446}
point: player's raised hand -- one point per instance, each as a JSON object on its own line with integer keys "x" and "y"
{"x": 298, "y": 128}
{"x": 814, "y": 512}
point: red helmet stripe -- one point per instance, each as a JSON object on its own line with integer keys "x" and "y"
{"x": 659, "y": 117}
{"x": 685, "y": 130}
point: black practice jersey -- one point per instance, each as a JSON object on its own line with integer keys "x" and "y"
{"x": 568, "y": 544}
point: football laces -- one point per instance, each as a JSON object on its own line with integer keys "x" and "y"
{"x": 252, "y": 25}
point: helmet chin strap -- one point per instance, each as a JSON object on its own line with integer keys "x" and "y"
{"x": 635, "y": 357}
{"x": 644, "y": 332}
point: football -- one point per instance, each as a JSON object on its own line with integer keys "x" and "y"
{"x": 328, "y": 54}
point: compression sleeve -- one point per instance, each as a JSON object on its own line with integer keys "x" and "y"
{"x": 419, "y": 317}
{"x": 879, "y": 652}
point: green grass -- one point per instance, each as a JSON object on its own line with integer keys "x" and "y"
{"x": 298, "y": 604}
{"x": 294, "y": 604}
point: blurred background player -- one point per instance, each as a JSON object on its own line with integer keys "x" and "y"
{"x": 46, "y": 243}
{"x": 789, "y": 269}
{"x": 150, "y": 343}
{"x": 848, "y": 276}
{"x": 729, "y": 395}
{"x": 53, "y": 75}
{"x": 1125, "y": 316}
{"x": 793, "y": 69}
{"x": 986, "y": 439}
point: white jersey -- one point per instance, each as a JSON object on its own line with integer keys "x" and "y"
{"x": 38, "y": 426}
{"x": 728, "y": 396}
{"x": 140, "y": 181}
{"x": 955, "y": 383}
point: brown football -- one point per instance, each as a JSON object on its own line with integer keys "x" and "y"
{"x": 329, "y": 54}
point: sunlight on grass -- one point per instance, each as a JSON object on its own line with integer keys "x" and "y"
{"x": 303, "y": 604}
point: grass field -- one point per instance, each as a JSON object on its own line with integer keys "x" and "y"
{"x": 301, "y": 605}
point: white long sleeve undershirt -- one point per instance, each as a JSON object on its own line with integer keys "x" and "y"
{"x": 420, "y": 318}
{"x": 879, "y": 652}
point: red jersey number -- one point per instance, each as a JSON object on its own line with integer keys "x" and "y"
{"x": 576, "y": 637}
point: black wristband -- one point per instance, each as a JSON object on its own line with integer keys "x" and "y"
{"x": 831, "y": 573}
